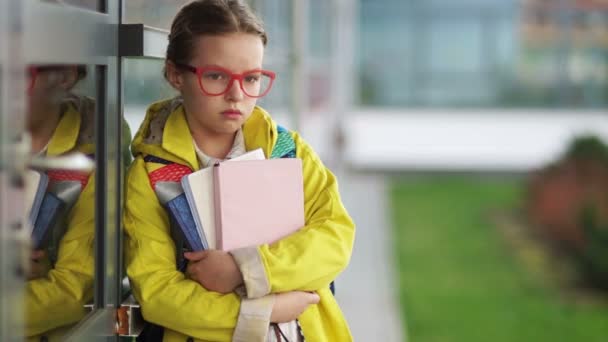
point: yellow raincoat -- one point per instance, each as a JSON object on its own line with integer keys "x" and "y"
{"x": 307, "y": 260}
{"x": 55, "y": 302}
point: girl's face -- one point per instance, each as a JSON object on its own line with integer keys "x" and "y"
{"x": 47, "y": 87}
{"x": 226, "y": 113}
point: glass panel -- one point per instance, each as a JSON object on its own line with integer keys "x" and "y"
{"x": 276, "y": 15}
{"x": 320, "y": 53}
{"x": 320, "y": 28}
{"x": 452, "y": 3}
{"x": 143, "y": 85}
{"x": 523, "y": 54}
{"x": 385, "y": 55}
{"x": 455, "y": 46}
{"x": 88, "y": 4}
{"x": 155, "y": 13}
{"x": 61, "y": 122}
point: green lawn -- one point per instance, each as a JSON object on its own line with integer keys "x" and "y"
{"x": 459, "y": 281}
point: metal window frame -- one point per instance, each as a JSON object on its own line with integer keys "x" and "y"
{"x": 49, "y": 37}
{"x": 11, "y": 125}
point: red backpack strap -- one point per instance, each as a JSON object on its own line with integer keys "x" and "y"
{"x": 166, "y": 180}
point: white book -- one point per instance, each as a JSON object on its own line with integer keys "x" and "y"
{"x": 199, "y": 190}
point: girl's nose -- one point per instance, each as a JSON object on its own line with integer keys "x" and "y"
{"x": 235, "y": 93}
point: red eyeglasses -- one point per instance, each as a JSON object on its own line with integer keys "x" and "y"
{"x": 33, "y": 72}
{"x": 215, "y": 81}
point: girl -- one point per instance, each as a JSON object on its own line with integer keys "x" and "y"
{"x": 214, "y": 60}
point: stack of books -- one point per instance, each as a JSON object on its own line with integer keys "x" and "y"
{"x": 245, "y": 201}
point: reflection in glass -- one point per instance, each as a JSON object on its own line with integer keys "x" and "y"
{"x": 88, "y": 4}
{"x": 155, "y": 13}
{"x": 144, "y": 84}
{"x": 60, "y": 121}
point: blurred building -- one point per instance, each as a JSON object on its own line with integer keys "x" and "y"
{"x": 564, "y": 53}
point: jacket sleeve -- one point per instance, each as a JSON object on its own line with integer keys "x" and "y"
{"x": 166, "y": 296}
{"x": 58, "y": 299}
{"x": 312, "y": 257}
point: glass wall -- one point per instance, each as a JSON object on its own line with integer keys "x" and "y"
{"x": 470, "y": 53}
{"x": 278, "y": 23}
{"x": 155, "y": 13}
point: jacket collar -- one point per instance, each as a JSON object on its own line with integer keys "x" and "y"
{"x": 177, "y": 139}
{"x": 177, "y": 144}
{"x": 259, "y": 131}
{"x": 66, "y": 134}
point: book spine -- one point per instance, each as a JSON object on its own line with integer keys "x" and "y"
{"x": 195, "y": 214}
{"x": 50, "y": 209}
{"x": 179, "y": 209}
{"x": 218, "y": 206}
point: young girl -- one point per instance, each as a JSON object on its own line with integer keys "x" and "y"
{"x": 271, "y": 292}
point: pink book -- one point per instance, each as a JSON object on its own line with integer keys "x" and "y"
{"x": 257, "y": 201}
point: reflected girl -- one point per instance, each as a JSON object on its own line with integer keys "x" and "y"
{"x": 61, "y": 277}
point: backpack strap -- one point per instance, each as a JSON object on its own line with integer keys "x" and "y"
{"x": 285, "y": 146}
{"x": 166, "y": 183}
{"x": 63, "y": 190}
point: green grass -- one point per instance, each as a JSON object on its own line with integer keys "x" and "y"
{"x": 459, "y": 281}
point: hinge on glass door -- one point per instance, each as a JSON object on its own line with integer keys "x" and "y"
{"x": 129, "y": 320}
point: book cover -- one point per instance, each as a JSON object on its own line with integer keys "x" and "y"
{"x": 51, "y": 208}
{"x": 199, "y": 189}
{"x": 257, "y": 202}
{"x": 180, "y": 214}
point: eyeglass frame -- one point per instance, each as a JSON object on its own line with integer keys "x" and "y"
{"x": 233, "y": 76}
{"x": 34, "y": 70}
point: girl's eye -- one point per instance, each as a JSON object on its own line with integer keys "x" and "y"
{"x": 215, "y": 76}
{"x": 252, "y": 78}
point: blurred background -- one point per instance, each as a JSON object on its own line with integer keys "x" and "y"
{"x": 470, "y": 139}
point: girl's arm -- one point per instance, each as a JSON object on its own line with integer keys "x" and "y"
{"x": 57, "y": 299}
{"x": 311, "y": 258}
{"x": 166, "y": 296}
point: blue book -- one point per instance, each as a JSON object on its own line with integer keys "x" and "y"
{"x": 35, "y": 188}
{"x": 180, "y": 214}
{"x": 50, "y": 210}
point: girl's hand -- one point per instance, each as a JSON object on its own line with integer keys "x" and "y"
{"x": 215, "y": 270}
{"x": 39, "y": 265}
{"x": 289, "y": 305}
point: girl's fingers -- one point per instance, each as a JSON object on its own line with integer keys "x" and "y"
{"x": 195, "y": 256}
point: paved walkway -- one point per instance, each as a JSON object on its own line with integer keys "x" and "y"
{"x": 366, "y": 291}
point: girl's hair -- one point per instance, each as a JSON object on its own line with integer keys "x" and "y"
{"x": 209, "y": 17}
